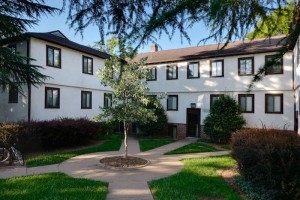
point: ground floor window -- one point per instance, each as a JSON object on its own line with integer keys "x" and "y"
{"x": 274, "y": 103}
{"x": 86, "y": 100}
{"x": 172, "y": 102}
{"x": 246, "y": 102}
{"x": 52, "y": 97}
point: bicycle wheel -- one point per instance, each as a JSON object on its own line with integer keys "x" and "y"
{"x": 19, "y": 156}
{"x": 4, "y": 154}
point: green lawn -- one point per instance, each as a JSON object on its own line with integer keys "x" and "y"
{"x": 148, "y": 144}
{"x": 197, "y": 180}
{"x": 48, "y": 159}
{"x": 197, "y": 147}
{"x": 51, "y": 186}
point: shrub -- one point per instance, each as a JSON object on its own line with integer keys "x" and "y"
{"x": 224, "y": 118}
{"x": 56, "y": 133}
{"x": 152, "y": 127}
{"x": 270, "y": 158}
{"x": 108, "y": 126}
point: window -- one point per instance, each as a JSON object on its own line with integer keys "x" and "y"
{"x": 87, "y": 65}
{"x": 13, "y": 94}
{"x": 52, "y": 97}
{"x": 246, "y": 102}
{"x": 193, "y": 70}
{"x": 274, "y": 103}
{"x": 276, "y": 68}
{"x": 107, "y": 100}
{"x": 213, "y": 98}
{"x": 152, "y": 73}
{"x": 172, "y": 102}
{"x": 86, "y": 100}
{"x": 53, "y": 57}
{"x": 172, "y": 72}
{"x": 172, "y": 130}
{"x": 246, "y": 66}
{"x": 217, "y": 68}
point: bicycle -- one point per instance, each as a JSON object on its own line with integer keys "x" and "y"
{"x": 11, "y": 154}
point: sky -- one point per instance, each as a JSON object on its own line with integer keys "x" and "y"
{"x": 91, "y": 34}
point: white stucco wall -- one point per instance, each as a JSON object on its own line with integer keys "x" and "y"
{"x": 71, "y": 81}
{"x": 198, "y": 90}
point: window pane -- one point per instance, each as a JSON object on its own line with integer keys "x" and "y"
{"x": 55, "y": 98}
{"x": 50, "y": 56}
{"x": 49, "y": 98}
{"x": 249, "y": 104}
{"x": 56, "y": 58}
{"x": 243, "y": 103}
{"x": 277, "y": 104}
{"x": 270, "y": 102}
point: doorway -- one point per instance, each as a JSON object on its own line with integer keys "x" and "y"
{"x": 193, "y": 122}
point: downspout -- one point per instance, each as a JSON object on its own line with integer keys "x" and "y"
{"x": 28, "y": 83}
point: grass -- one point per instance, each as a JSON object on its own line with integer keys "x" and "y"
{"x": 51, "y": 186}
{"x": 197, "y": 147}
{"x": 148, "y": 144}
{"x": 55, "y": 158}
{"x": 197, "y": 180}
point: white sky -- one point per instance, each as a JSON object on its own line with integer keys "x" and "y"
{"x": 91, "y": 34}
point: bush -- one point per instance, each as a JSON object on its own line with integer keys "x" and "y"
{"x": 38, "y": 135}
{"x": 108, "y": 126}
{"x": 270, "y": 158}
{"x": 152, "y": 127}
{"x": 224, "y": 118}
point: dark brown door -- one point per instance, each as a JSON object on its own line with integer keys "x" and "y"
{"x": 193, "y": 122}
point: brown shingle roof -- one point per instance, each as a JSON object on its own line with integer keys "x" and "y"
{"x": 212, "y": 51}
{"x": 57, "y": 37}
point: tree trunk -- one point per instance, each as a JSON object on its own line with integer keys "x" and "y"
{"x": 125, "y": 138}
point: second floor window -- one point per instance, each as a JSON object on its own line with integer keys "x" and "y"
{"x": 107, "y": 100}
{"x": 246, "y": 66}
{"x": 152, "y": 74}
{"x": 246, "y": 102}
{"x": 276, "y": 68}
{"x": 217, "y": 68}
{"x": 53, "y": 57}
{"x": 86, "y": 100}
{"x": 87, "y": 65}
{"x": 193, "y": 70}
{"x": 172, "y": 72}
{"x": 52, "y": 97}
{"x": 172, "y": 102}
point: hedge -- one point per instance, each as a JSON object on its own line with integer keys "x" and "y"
{"x": 45, "y": 135}
{"x": 270, "y": 158}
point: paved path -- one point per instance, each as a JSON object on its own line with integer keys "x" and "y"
{"x": 124, "y": 184}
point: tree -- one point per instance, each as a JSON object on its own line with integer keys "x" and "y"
{"x": 224, "y": 118}
{"x": 129, "y": 88}
{"x": 15, "y": 18}
{"x": 155, "y": 126}
{"x": 278, "y": 22}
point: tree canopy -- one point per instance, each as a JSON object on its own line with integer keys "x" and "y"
{"x": 15, "y": 18}
{"x": 140, "y": 21}
{"x": 280, "y": 21}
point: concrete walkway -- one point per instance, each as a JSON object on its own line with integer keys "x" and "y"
{"x": 124, "y": 184}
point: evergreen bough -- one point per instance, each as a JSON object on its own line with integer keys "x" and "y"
{"x": 224, "y": 118}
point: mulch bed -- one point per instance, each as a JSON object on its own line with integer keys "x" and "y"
{"x": 121, "y": 161}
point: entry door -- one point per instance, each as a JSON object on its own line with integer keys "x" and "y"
{"x": 193, "y": 122}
